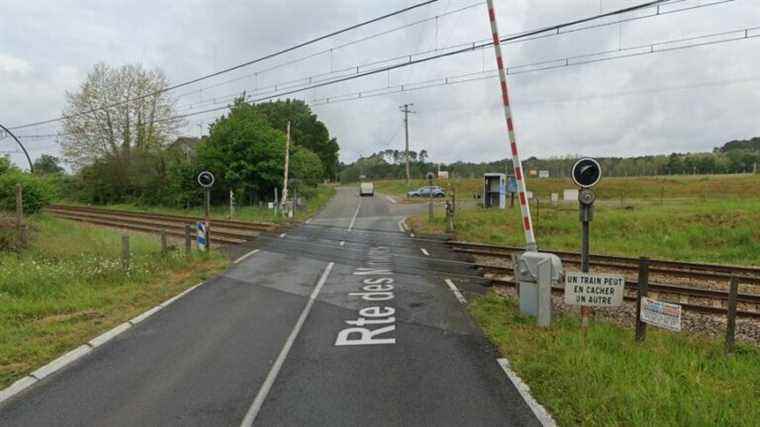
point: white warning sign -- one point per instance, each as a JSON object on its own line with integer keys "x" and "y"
{"x": 594, "y": 290}
{"x": 661, "y": 314}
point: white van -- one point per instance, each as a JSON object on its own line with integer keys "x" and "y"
{"x": 367, "y": 189}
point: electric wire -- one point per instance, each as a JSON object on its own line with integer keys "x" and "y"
{"x": 239, "y": 66}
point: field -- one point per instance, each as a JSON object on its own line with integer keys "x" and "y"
{"x": 318, "y": 199}
{"x": 613, "y": 189}
{"x": 607, "y": 379}
{"x": 677, "y": 223}
{"x": 69, "y": 287}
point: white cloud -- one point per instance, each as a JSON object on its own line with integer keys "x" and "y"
{"x": 622, "y": 107}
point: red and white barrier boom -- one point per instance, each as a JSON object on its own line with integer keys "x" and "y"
{"x": 530, "y": 239}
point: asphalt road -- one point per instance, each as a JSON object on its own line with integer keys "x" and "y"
{"x": 343, "y": 321}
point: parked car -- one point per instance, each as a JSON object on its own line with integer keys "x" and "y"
{"x": 367, "y": 189}
{"x": 427, "y": 192}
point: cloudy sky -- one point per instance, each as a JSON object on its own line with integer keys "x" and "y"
{"x": 690, "y": 99}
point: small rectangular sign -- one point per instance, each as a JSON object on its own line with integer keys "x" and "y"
{"x": 661, "y": 314}
{"x": 594, "y": 290}
{"x": 543, "y": 174}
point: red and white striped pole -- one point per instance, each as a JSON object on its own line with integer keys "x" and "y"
{"x": 530, "y": 239}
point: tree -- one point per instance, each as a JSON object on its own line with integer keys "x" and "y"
{"x": 47, "y": 165}
{"x": 244, "y": 152}
{"x": 306, "y": 131}
{"x": 114, "y": 112}
{"x": 6, "y": 165}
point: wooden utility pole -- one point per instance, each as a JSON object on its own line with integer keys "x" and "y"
{"x": 287, "y": 160}
{"x": 19, "y": 214}
{"x": 406, "y": 111}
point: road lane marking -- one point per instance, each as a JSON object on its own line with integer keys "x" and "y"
{"x": 308, "y": 221}
{"x": 424, "y": 251}
{"x": 402, "y": 225}
{"x": 539, "y": 411}
{"x": 253, "y": 252}
{"x": 391, "y": 199}
{"x": 250, "y": 417}
{"x": 282, "y": 236}
{"x": 456, "y": 291}
{"x": 342, "y": 242}
{"x": 356, "y": 213}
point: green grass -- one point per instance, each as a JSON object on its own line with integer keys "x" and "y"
{"x": 633, "y": 188}
{"x": 316, "y": 200}
{"x": 707, "y": 231}
{"x": 69, "y": 286}
{"x": 608, "y": 379}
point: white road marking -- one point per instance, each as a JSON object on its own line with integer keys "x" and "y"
{"x": 456, "y": 291}
{"x": 342, "y": 242}
{"x": 250, "y": 417}
{"x": 17, "y": 388}
{"x": 411, "y": 234}
{"x": 356, "y": 213}
{"x": 282, "y": 236}
{"x": 308, "y": 221}
{"x": 424, "y": 251}
{"x": 253, "y": 252}
{"x": 402, "y": 225}
{"x": 391, "y": 199}
{"x": 61, "y": 362}
{"x": 539, "y": 411}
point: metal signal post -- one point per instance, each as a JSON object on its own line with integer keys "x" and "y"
{"x": 586, "y": 173}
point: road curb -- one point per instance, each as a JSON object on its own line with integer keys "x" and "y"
{"x": 543, "y": 416}
{"x": 62, "y": 361}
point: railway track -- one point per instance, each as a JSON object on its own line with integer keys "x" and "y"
{"x": 716, "y": 298}
{"x": 222, "y": 231}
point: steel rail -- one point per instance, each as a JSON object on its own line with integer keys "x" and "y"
{"x": 686, "y": 306}
{"x": 616, "y": 261}
{"x": 232, "y": 224}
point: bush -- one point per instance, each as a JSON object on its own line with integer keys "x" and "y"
{"x": 38, "y": 192}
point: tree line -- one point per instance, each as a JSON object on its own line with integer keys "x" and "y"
{"x": 128, "y": 152}
{"x": 731, "y": 158}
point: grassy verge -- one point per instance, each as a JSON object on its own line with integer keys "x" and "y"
{"x": 708, "y": 231}
{"x": 315, "y": 201}
{"x": 607, "y": 379}
{"x": 68, "y": 287}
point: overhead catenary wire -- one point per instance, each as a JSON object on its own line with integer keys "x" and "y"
{"x": 556, "y": 63}
{"x": 239, "y": 66}
{"x": 470, "y": 46}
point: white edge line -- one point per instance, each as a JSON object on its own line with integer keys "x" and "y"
{"x": 145, "y": 315}
{"x": 108, "y": 336}
{"x": 424, "y": 251}
{"x": 543, "y": 416}
{"x": 64, "y": 360}
{"x": 61, "y": 362}
{"x": 402, "y": 225}
{"x": 17, "y": 387}
{"x": 282, "y": 236}
{"x": 391, "y": 199}
{"x": 456, "y": 291}
{"x": 250, "y": 416}
{"x": 253, "y": 252}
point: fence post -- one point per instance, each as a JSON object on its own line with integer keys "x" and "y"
{"x": 641, "y": 327}
{"x": 163, "y": 242}
{"x": 731, "y": 323}
{"x": 125, "y": 252}
{"x": 188, "y": 241}
{"x": 19, "y": 215}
